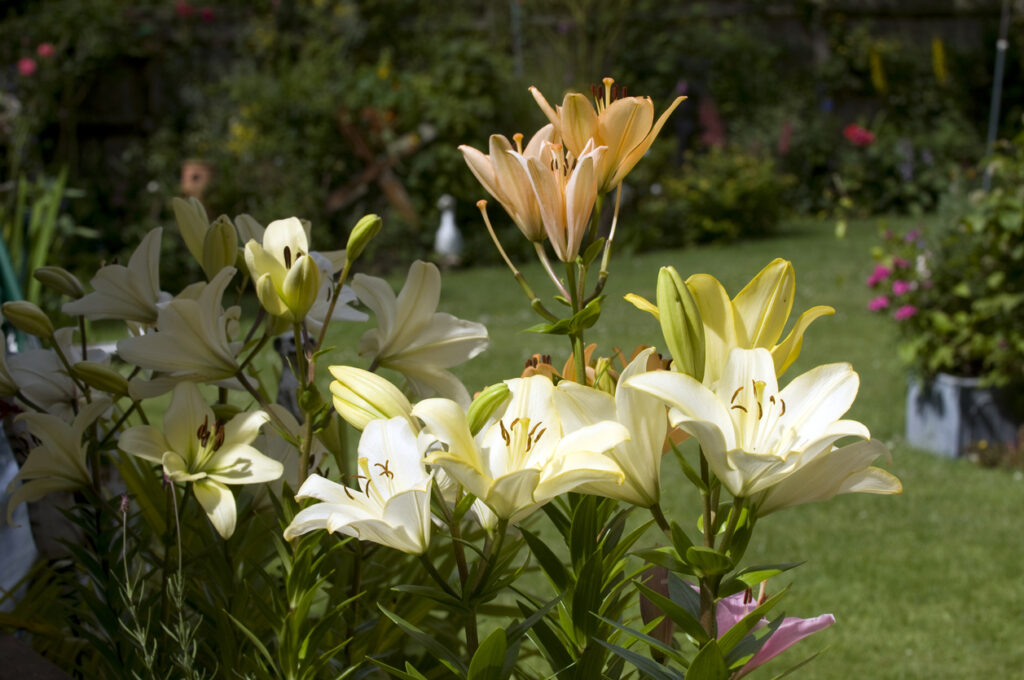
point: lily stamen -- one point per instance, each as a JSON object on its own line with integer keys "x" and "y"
{"x": 384, "y": 471}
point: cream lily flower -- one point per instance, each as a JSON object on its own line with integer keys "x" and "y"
{"x": 7, "y": 384}
{"x": 214, "y": 246}
{"x": 195, "y": 447}
{"x": 754, "y": 318}
{"x": 192, "y": 342}
{"x": 287, "y": 279}
{"x": 412, "y": 338}
{"x": 508, "y": 180}
{"x": 524, "y": 457}
{"x": 755, "y": 436}
{"x": 565, "y": 189}
{"x": 392, "y": 507}
{"x": 58, "y": 462}
{"x": 625, "y": 125}
{"x": 131, "y": 293}
{"x": 643, "y": 415}
{"x": 43, "y": 379}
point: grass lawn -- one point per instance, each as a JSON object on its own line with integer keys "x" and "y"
{"x": 923, "y": 585}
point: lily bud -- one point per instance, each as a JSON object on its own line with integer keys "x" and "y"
{"x": 192, "y": 223}
{"x": 310, "y": 399}
{"x": 681, "y": 323}
{"x": 361, "y": 396}
{"x": 60, "y": 280}
{"x": 220, "y": 247}
{"x": 603, "y": 379}
{"x": 28, "y": 318}
{"x": 101, "y": 377}
{"x": 484, "y": 406}
{"x": 364, "y": 231}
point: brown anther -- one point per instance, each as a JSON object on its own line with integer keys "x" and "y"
{"x": 218, "y": 437}
{"x": 736, "y": 394}
{"x": 783, "y": 402}
{"x": 740, "y": 407}
{"x": 288, "y": 257}
{"x": 504, "y": 433}
{"x": 384, "y": 469}
{"x": 760, "y": 411}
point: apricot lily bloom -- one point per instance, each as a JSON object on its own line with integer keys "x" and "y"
{"x": 287, "y": 279}
{"x": 755, "y": 436}
{"x": 643, "y": 415}
{"x": 392, "y": 507}
{"x": 58, "y": 462}
{"x": 415, "y": 340}
{"x": 130, "y": 293}
{"x": 524, "y": 457}
{"x": 192, "y": 342}
{"x": 196, "y": 447}
{"x": 624, "y": 125}
{"x": 509, "y": 181}
{"x": 565, "y": 189}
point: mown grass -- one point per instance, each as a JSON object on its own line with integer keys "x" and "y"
{"x": 923, "y": 585}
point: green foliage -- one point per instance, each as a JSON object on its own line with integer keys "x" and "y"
{"x": 958, "y": 294}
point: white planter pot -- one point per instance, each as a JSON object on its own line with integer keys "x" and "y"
{"x": 947, "y": 414}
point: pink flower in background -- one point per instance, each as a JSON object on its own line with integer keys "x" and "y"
{"x": 900, "y": 263}
{"x": 733, "y": 608}
{"x": 879, "y": 303}
{"x": 206, "y": 14}
{"x": 26, "y": 66}
{"x": 905, "y": 312}
{"x": 880, "y": 274}
{"x": 45, "y": 50}
{"x": 858, "y": 136}
{"x": 913, "y": 235}
{"x": 183, "y": 9}
{"x": 900, "y": 287}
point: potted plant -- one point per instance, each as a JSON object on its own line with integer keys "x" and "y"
{"x": 958, "y": 298}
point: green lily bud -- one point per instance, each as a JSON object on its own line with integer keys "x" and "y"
{"x": 485, "y": 404}
{"x": 361, "y": 396}
{"x": 220, "y": 247}
{"x": 602, "y": 376}
{"x": 310, "y": 399}
{"x": 681, "y": 323}
{"x": 361, "y": 235}
{"x": 101, "y": 377}
{"x": 192, "y": 223}
{"x": 60, "y": 280}
{"x": 28, "y": 318}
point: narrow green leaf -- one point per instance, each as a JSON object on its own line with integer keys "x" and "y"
{"x": 592, "y": 251}
{"x": 753, "y": 576}
{"x": 709, "y": 664}
{"x": 586, "y": 596}
{"x": 254, "y": 639}
{"x": 683, "y": 593}
{"x": 410, "y": 672}
{"x": 707, "y": 561}
{"x": 443, "y": 654}
{"x": 800, "y": 665}
{"x": 665, "y": 557}
{"x": 649, "y": 667}
{"x": 489, "y": 658}
{"x": 675, "y": 611}
{"x": 680, "y": 540}
{"x": 666, "y": 649}
{"x": 549, "y": 562}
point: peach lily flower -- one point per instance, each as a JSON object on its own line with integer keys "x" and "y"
{"x": 626, "y": 126}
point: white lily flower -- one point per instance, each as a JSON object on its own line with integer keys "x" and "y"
{"x": 643, "y": 415}
{"x": 41, "y": 376}
{"x": 193, "y": 340}
{"x": 412, "y": 338}
{"x": 130, "y": 293}
{"x": 524, "y": 457}
{"x": 195, "y": 447}
{"x": 755, "y": 436}
{"x": 392, "y": 505}
{"x": 58, "y": 463}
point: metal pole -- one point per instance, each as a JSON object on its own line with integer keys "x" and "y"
{"x": 997, "y": 87}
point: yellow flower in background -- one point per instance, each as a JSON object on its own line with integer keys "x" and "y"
{"x": 196, "y": 447}
{"x": 625, "y": 125}
{"x": 392, "y": 505}
{"x": 58, "y": 462}
{"x": 523, "y": 458}
{"x": 287, "y": 279}
{"x": 756, "y": 436}
{"x": 509, "y": 181}
{"x": 415, "y": 340}
{"x": 130, "y": 293}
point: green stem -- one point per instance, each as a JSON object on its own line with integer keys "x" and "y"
{"x": 602, "y": 276}
{"x": 576, "y": 338}
{"x": 263, "y": 403}
{"x": 307, "y": 446}
{"x": 334, "y": 302}
{"x": 434, "y": 574}
{"x": 659, "y": 518}
{"x": 255, "y": 350}
{"x": 730, "y": 528}
{"x": 543, "y": 257}
{"x": 707, "y": 587}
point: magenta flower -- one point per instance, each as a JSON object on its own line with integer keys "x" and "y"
{"x": 184, "y": 9}
{"x": 26, "y": 66}
{"x": 45, "y": 50}
{"x": 879, "y": 303}
{"x": 900, "y": 287}
{"x": 905, "y": 312}
{"x": 880, "y": 274}
{"x": 858, "y": 136}
{"x": 732, "y": 609}
{"x": 900, "y": 263}
{"x": 913, "y": 235}
{"x": 206, "y": 14}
